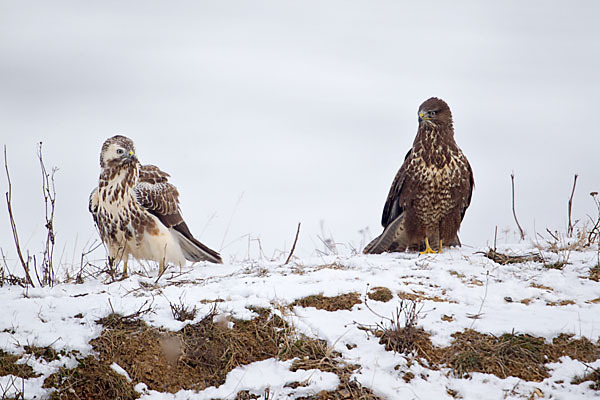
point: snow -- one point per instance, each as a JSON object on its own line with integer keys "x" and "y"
{"x": 459, "y": 283}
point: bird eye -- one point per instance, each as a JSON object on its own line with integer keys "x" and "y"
{"x": 432, "y": 112}
{"x": 119, "y": 151}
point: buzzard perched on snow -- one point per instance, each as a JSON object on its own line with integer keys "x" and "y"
{"x": 137, "y": 211}
{"x": 431, "y": 191}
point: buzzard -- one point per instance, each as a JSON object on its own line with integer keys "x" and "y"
{"x": 431, "y": 191}
{"x": 137, "y": 211}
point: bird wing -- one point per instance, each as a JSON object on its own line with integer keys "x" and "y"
{"x": 152, "y": 174}
{"x": 469, "y": 194}
{"x": 93, "y": 205}
{"x": 393, "y": 208}
{"x": 161, "y": 199}
{"x": 393, "y": 238}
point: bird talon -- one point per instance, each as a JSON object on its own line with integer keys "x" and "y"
{"x": 428, "y": 249}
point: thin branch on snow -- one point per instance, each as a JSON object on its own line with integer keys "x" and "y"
{"x": 521, "y": 232}
{"x": 49, "y": 192}
{"x": 13, "y": 225}
{"x": 570, "y": 228}
{"x": 293, "y": 246}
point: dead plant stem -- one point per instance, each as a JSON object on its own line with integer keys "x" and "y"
{"x": 293, "y": 246}
{"x": 570, "y": 229}
{"x": 521, "y": 232}
{"x": 13, "y": 224}
{"x": 49, "y": 192}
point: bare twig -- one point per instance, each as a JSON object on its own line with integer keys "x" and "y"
{"x": 495, "y": 236}
{"x": 84, "y": 263}
{"x": 504, "y": 259}
{"x": 512, "y": 178}
{"x": 475, "y": 317}
{"x": 595, "y": 231}
{"x": 570, "y": 229}
{"x": 7, "y": 276}
{"x": 13, "y": 225}
{"x": 49, "y": 192}
{"x": 555, "y": 237}
{"x": 294, "y": 245}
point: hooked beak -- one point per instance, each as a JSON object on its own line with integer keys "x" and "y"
{"x": 424, "y": 116}
{"x": 132, "y": 156}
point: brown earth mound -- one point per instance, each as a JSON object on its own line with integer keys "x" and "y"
{"x": 342, "y": 302}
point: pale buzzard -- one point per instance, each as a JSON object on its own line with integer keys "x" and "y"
{"x": 137, "y": 211}
{"x": 431, "y": 191}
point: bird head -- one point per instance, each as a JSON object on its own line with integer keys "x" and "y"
{"x": 435, "y": 112}
{"x": 117, "y": 151}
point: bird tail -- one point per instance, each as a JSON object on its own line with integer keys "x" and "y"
{"x": 393, "y": 238}
{"x": 195, "y": 251}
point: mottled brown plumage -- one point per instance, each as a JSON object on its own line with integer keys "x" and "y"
{"x": 137, "y": 211}
{"x": 432, "y": 189}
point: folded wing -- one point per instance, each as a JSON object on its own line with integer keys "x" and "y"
{"x": 161, "y": 199}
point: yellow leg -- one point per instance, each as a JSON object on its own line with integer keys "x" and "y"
{"x": 428, "y": 249}
{"x": 440, "y": 249}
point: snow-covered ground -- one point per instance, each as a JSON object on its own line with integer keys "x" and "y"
{"x": 461, "y": 283}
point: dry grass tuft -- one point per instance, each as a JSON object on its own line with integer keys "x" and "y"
{"x": 202, "y": 354}
{"x": 419, "y": 296}
{"x": 523, "y": 356}
{"x": 9, "y": 366}
{"x": 402, "y": 335}
{"x": 540, "y": 286}
{"x": 578, "y": 349}
{"x": 595, "y": 273}
{"x": 347, "y": 390}
{"x": 560, "y": 303}
{"x": 520, "y": 355}
{"x": 559, "y": 265}
{"x": 212, "y": 349}
{"x": 181, "y": 312}
{"x": 342, "y": 302}
{"x": 47, "y": 353}
{"x": 380, "y": 293}
{"x": 409, "y": 340}
{"x": 91, "y": 379}
{"x": 508, "y": 355}
{"x": 593, "y": 376}
{"x": 198, "y": 356}
{"x": 246, "y": 395}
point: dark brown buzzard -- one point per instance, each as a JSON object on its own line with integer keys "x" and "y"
{"x": 137, "y": 211}
{"x": 431, "y": 191}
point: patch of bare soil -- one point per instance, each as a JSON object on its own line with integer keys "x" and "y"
{"x": 342, "y": 302}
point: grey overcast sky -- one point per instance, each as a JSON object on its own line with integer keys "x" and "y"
{"x": 270, "y": 113}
